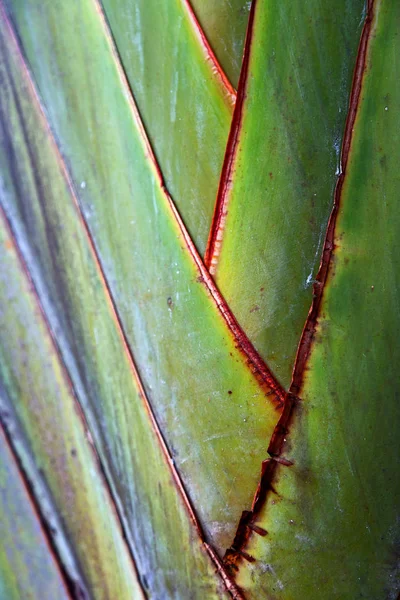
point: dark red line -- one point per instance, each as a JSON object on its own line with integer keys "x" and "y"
{"x": 246, "y": 528}
{"x": 247, "y": 524}
{"x": 308, "y": 333}
{"x": 216, "y": 65}
{"x": 259, "y": 368}
{"x": 220, "y": 210}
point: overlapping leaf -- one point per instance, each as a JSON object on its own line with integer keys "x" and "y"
{"x": 42, "y": 209}
{"x": 134, "y": 332}
{"x": 333, "y": 517}
{"x": 196, "y": 366}
{"x": 184, "y": 99}
{"x": 281, "y": 168}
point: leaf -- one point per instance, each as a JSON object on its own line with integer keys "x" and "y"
{"x": 224, "y": 23}
{"x": 147, "y": 429}
{"x": 195, "y": 364}
{"x": 78, "y": 305}
{"x": 333, "y": 518}
{"x": 41, "y": 396}
{"x": 27, "y": 567}
{"x": 184, "y": 100}
{"x": 281, "y": 167}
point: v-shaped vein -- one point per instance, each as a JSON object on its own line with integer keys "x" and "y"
{"x": 246, "y": 527}
{"x": 259, "y": 367}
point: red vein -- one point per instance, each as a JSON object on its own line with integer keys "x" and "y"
{"x": 307, "y": 337}
{"x": 259, "y": 368}
{"x": 216, "y": 67}
{"x": 247, "y": 524}
{"x": 230, "y": 585}
{"x": 214, "y": 243}
{"x": 65, "y": 578}
{"x": 275, "y": 449}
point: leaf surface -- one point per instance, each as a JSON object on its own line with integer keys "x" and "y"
{"x": 196, "y": 365}
{"x": 38, "y": 390}
{"x": 41, "y": 206}
{"x": 27, "y": 567}
{"x": 281, "y": 167}
{"x": 224, "y": 23}
{"x": 185, "y": 105}
{"x": 333, "y": 521}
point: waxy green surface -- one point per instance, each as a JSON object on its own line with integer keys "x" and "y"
{"x": 333, "y": 524}
{"x": 27, "y": 566}
{"x": 224, "y": 22}
{"x": 42, "y": 210}
{"x": 192, "y": 370}
{"x": 285, "y": 168}
{"x": 184, "y": 105}
{"x": 38, "y": 390}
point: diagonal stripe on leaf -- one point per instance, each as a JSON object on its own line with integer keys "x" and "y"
{"x": 27, "y": 566}
{"x": 39, "y": 391}
{"x": 47, "y": 224}
{"x": 196, "y": 366}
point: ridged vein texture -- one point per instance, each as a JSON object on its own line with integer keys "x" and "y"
{"x": 334, "y": 522}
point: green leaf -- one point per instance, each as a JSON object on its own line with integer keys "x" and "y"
{"x": 27, "y": 567}
{"x": 333, "y": 521}
{"x": 281, "y": 168}
{"x": 197, "y": 367}
{"x": 168, "y": 550}
{"x": 185, "y": 105}
{"x": 224, "y": 23}
{"x": 39, "y": 391}
{"x": 144, "y": 432}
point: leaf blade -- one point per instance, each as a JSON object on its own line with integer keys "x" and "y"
{"x": 192, "y": 364}
{"x": 339, "y": 501}
{"x": 183, "y": 101}
{"x": 280, "y": 169}
{"x": 27, "y": 567}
